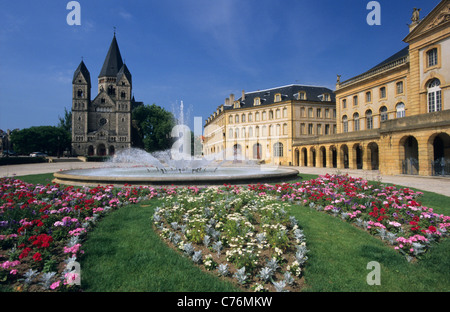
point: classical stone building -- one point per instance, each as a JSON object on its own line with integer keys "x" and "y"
{"x": 103, "y": 125}
{"x": 395, "y": 117}
{"x": 263, "y": 125}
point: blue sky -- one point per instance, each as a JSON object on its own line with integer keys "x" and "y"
{"x": 195, "y": 51}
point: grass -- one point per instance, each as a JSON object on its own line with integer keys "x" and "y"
{"x": 124, "y": 254}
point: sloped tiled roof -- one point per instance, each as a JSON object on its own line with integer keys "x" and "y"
{"x": 290, "y": 92}
{"x": 113, "y": 61}
{"x": 84, "y": 71}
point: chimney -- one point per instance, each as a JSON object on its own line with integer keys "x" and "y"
{"x": 243, "y": 95}
{"x": 231, "y": 99}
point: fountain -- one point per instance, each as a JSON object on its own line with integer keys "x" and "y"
{"x": 175, "y": 167}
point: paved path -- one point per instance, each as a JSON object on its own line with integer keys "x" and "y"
{"x": 439, "y": 185}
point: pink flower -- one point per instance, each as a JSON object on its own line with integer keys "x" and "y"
{"x": 55, "y": 285}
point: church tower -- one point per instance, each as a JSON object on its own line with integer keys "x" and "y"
{"x": 102, "y": 126}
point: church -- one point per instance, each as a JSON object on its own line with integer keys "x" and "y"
{"x": 102, "y": 126}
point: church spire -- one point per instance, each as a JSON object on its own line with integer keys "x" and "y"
{"x": 113, "y": 61}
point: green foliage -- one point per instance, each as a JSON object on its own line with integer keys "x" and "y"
{"x": 154, "y": 125}
{"x": 49, "y": 139}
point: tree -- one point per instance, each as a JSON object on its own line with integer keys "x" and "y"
{"x": 65, "y": 122}
{"x": 49, "y": 139}
{"x": 153, "y": 125}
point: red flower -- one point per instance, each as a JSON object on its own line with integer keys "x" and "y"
{"x": 432, "y": 229}
{"x": 37, "y": 257}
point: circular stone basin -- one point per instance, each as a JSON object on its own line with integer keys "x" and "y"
{"x": 150, "y": 176}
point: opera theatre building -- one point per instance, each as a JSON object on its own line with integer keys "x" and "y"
{"x": 395, "y": 117}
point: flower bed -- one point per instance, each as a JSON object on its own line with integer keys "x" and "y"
{"x": 394, "y": 214}
{"x": 236, "y": 233}
{"x": 243, "y": 233}
{"x": 42, "y": 228}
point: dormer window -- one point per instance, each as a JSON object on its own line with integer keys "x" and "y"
{"x": 326, "y": 97}
{"x": 257, "y": 101}
{"x": 277, "y": 97}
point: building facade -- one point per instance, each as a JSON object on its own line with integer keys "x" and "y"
{"x": 103, "y": 125}
{"x": 263, "y": 125}
{"x": 396, "y": 116}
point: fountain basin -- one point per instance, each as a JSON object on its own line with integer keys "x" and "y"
{"x": 150, "y": 176}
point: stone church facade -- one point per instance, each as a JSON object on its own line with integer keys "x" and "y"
{"x": 102, "y": 126}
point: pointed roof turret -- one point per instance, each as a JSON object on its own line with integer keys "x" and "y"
{"x": 113, "y": 61}
{"x": 124, "y": 71}
{"x": 84, "y": 71}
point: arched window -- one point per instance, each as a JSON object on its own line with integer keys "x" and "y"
{"x": 243, "y": 118}
{"x": 80, "y": 93}
{"x": 369, "y": 119}
{"x": 278, "y": 149}
{"x": 400, "y": 108}
{"x": 237, "y": 118}
{"x": 230, "y": 119}
{"x": 345, "y": 124}
{"x": 356, "y": 122}
{"x": 383, "y": 113}
{"x": 250, "y": 117}
{"x": 434, "y": 96}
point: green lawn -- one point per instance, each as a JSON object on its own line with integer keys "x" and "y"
{"x": 124, "y": 254}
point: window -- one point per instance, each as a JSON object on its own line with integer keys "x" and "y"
{"x": 400, "y": 87}
{"x": 356, "y": 122}
{"x": 432, "y": 57}
{"x": 355, "y": 100}
{"x": 230, "y": 134}
{"x": 383, "y": 113}
{"x": 236, "y": 118}
{"x": 327, "y": 113}
{"x": 285, "y": 113}
{"x": 257, "y": 116}
{"x": 277, "y": 97}
{"x": 400, "y": 108}
{"x": 250, "y": 132}
{"x": 270, "y": 115}
{"x": 327, "y": 129}
{"x": 310, "y": 113}
{"x": 319, "y": 113}
{"x": 319, "y": 129}
{"x": 278, "y": 150}
{"x": 230, "y": 119}
{"x": 264, "y": 115}
{"x": 326, "y": 97}
{"x": 236, "y": 133}
{"x": 310, "y": 129}
{"x": 256, "y": 102}
{"x": 243, "y": 118}
{"x": 270, "y": 130}
{"x": 250, "y": 117}
{"x": 434, "y": 96}
{"x": 345, "y": 124}
{"x": 368, "y": 97}
{"x": 344, "y": 103}
{"x": 243, "y": 132}
{"x": 302, "y": 96}
{"x": 369, "y": 119}
{"x": 257, "y": 131}
{"x": 302, "y": 112}
{"x": 80, "y": 93}
{"x": 278, "y": 114}
{"x": 383, "y": 92}
{"x": 285, "y": 129}
{"x": 302, "y": 128}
